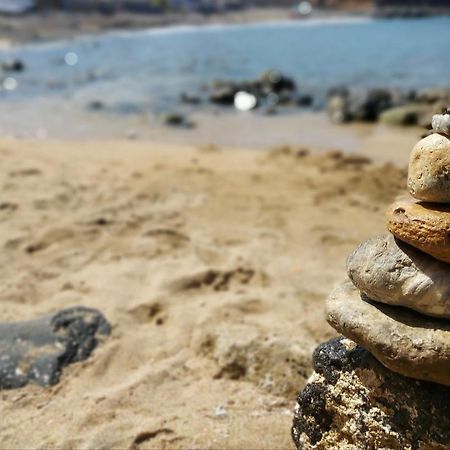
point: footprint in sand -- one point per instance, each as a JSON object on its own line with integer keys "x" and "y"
{"x": 8, "y": 206}
{"x": 217, "y": 280}
{"x": 31, "y": 172}
{"x": 151, "y": 312}
{"x": 49, "y": 238}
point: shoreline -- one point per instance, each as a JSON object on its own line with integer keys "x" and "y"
{"x": 176, "y": 28}
{"x": 56, "y": 25}
{"x": 44, "y": 26}
{"x": 255, "y": 132}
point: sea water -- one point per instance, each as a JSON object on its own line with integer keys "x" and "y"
{"x": 148, "y": 70}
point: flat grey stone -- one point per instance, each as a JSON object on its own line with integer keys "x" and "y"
{"x": 404, "y": 341}
{"x": 37, "y": 350}
{"x": 392, "y": 272}
{"x": 353, "y": 402}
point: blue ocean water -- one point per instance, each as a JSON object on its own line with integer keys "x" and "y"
{"x": 153, "y": 67}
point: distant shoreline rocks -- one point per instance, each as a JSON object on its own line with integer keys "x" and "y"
{"x": 388, "y": 106}
{"x": 275, "y": 92}
{"x": 270, "y": 90}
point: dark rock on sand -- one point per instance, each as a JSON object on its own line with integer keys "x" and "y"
{"x": 37, "y": 350}
{"x": 352, "y": 401}
{"x": 176, "y": 119}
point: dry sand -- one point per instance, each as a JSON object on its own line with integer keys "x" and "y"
{"x": 211, "y": 265}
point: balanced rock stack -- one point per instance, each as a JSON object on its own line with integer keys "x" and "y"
{"x": 386, "y": 383}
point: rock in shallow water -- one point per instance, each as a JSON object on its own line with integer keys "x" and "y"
{"x": 426, "y": 226}
{"x": 429, "y": 169}
{"x": 353, "y": 402}
{"x": 392, "y": 272}
{"x": 404, "y": 341}
{"x": 409, "y": 114}
{"x": 37, "y": 350}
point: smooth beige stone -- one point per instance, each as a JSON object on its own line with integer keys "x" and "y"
{"x": 392, "y": 272}
{"x": 404, "y": 341}
{"x": 425, "y": 226}
{"x": 429, "y": 169}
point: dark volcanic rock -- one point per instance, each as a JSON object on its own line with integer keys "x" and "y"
{"x": 275, "y": 81}
{"x": 223, "y": 93}
{"x": 344, "y": 106}
{"x": 37, "y": 350}
{"x": 15, "y": 65}
{"x": 353, "y": 402}
{"x": 271, "y": 88}
{"x": 177, "y": 119}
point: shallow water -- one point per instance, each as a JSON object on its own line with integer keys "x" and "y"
{"x": 155, "y": 66}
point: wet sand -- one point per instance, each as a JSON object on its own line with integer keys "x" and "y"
{"x": 212, "y": 266}
{"x": 219, "y": 128}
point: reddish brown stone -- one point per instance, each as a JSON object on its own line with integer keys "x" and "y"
{"x": 425, "y": 226}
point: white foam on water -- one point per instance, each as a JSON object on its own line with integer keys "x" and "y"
{"x": 302, "y": 23}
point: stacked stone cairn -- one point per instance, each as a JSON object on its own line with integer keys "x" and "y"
{"x": 386, "y": 383}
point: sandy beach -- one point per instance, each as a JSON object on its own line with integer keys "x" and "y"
{"x": 211, "y": 241}
{"x": 212, "y": 266}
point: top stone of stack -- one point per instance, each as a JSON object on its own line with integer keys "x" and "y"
{"x": 429, "y": 166}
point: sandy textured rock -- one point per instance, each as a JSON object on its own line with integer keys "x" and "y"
{"x": 423, "y": 225}
{"x": 243, "y": 352}
{"x": 37, "y": 350}
{"x": 404, "y": 341}
{"x": 441, "y": 123}
{"x": 353, "y": 402}
{"x": 392, "y": 272}
{"x": 429, "y": 169}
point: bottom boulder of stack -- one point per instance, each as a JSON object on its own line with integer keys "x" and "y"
{"x": 353, "y": 402}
